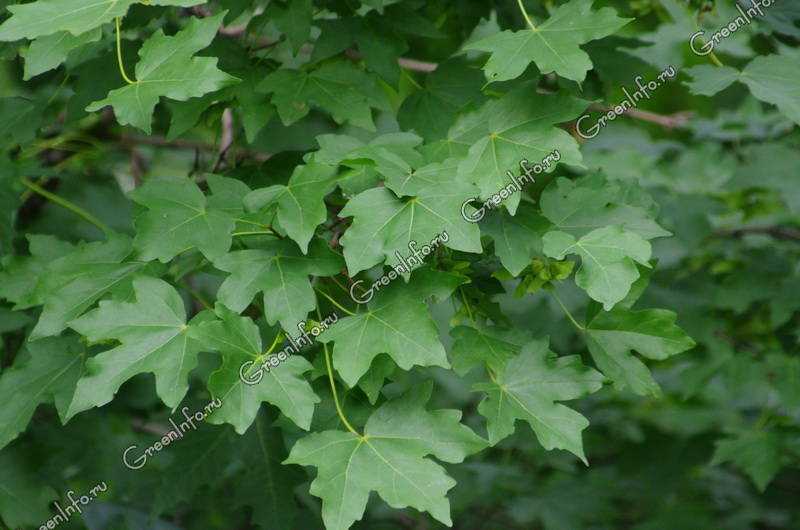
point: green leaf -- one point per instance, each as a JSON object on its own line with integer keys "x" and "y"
{"x": 340, "y": 88}
{"x": 517, "y": 238}
{"x": 397, "y": 322}
{"x": 21, "y": 274}
{"x": 772, "y": 78}
{"x": 46, "y": 53}
{"x": 73, "y": 283}
{"x": 708, "y": 80}
{"x": 46, "y": 17}
{"x": 385, "y": 227}
{"x": 757, "y": 453}
{"x": 293, "y": 20}
{"x": 24, "y": 498}
{"x": 46, "y": 373}
{"x": 451, "y": 88}
{"x": 266, "y": 481}
{"x": 588, "y": 203}
{"x": 554, "y": 45}
{"x": 179, "y": 218}
{"x": 153, "y": 338}
{"x": 485, "y": 345}
{"x": 527, "y": 389}
{"x": 239, "y": 341}
{"x": 776, "y": 79}
{"x": 608, "y": 260}
{"x": 613, "y": 336}
{"x": 389, "y": 459}
{"x": 513, "y": 129}
{"x": 300, "y": 205}
{"x": 168, "y": 68}
{"x": 281, "y": 272}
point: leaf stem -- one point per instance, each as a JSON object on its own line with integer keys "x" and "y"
{"x": 526, "y": 15}
{"x": 119, "y": 55}
{"x": 715, "y": 59}
{"x": 566, "y": 312}
{"x": 466, "y": 304}
{"x": 64, "y": 203}
{"x": 334, "y": 302}
{"x": 339, "y": 409}
{"x": 254, "y": 233}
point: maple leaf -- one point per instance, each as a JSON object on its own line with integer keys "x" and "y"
{"x": 390, "y": 459}
{"x": 608, "y": 260}
{"x": 45, "y": 17}
{"x": 554, "y": 45}
{"x": 239, "y": 341}
{"x": 179, "y": 217}
{"x": 46, "y": 373}
{"x": 168, "y": 68}
{"x": 528, "y": 387}
{"x": 300, "y": 205}
{"x": 340, "y": 88}
{"x": 281, "y": 272}
{"x": 385, "y": 226}
{"x": 612, "y": 336}
{"x": 46, "y": 53}
{"x": 154, "y": 338}
{"x": 510, "y": 130}
{"x": 397, "y": 322}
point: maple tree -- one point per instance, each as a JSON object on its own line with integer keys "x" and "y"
{"x": 344, "y": 264}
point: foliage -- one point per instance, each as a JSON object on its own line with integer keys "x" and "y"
{"x": 296, "y": 264}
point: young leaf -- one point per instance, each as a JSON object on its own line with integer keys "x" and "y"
{"x": 46, "y": 53}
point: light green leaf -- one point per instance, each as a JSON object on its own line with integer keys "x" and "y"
{"x": 168, "y": 68}
{"x": 776, "y": 79}
{"x": 385, "y": 226}
{"x": 708, "y": 80}
{"x": 389, "y": 459}
{"x": 300, "y": 205}
{"x": 397, "y": 322}
{"x": 73, "y": 283}
{"x": 553, "y": 45}
{"x": 178, "y": 218}
{"x": 608, "y": 260}
{"x": 153, "y": 334}
{"x": 281, "y": 272}
{"x": 613, "y": 336}
{"x": 516, "y": 127}
{"x": 239, "y": 341}
{"x": 527, "y": 389}
{"x": 46, "y": 53}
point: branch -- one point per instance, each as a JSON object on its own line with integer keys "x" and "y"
{"x": 679, "y": 119}
{"x": 160, "y": 141}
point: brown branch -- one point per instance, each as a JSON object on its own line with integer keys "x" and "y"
{"x": 160, "y": 141}
{"x": 679, "y": 119}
